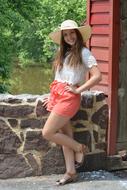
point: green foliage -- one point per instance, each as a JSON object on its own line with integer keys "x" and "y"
{"x": 52, "y": 15}
{"x": 5, "y": 45}
{"x": 24, "y": 29}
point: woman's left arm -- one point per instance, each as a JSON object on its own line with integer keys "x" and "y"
{"x": 94, "y": 79}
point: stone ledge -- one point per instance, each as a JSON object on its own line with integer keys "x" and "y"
{"x": 115, "y": 162}
{"x": 94, "y": 161}
{"x": 99, "y": 160}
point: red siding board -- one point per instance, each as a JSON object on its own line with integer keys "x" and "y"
{"x": 100, "y": 53}
{"x": 100, "y": 18}
{"x": 104, "y": 80}
{"x": 103, "y": 66}
{"x": 100, "y": 6}
{"x": 100, "y": 40}
{"x": 100, "y": 29}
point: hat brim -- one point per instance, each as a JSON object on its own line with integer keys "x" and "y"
{"x": 84, "y": 30}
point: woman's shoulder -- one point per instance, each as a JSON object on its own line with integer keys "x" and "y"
{"x": 86, "y": 51}
{"x": 87, "y": 57}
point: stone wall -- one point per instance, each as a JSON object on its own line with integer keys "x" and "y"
{"x": 24, "y": 152}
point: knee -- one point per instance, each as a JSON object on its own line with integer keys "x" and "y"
{"x": 46, "y": 134}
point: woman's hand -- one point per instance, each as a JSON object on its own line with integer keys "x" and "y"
{"x": 45, "y": 101}
{"x": 72, "y": 88}
{"x": 94, "y": 80}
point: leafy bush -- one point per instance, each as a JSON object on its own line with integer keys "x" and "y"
{"x": 24, "y": 29}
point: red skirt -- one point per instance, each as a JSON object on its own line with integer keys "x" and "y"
{"x": 62, "y": 102}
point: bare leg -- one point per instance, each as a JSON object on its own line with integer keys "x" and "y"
{"x": 53, "y": 125}
{"x": 68, "y": 152}
{"x": 69, "y": 155}
{"x": 50, "y": 132}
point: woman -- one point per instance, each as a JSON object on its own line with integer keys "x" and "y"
{"x": 72, "y": 62}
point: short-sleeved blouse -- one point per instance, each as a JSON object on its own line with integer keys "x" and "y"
{"x": 76, "y": 75}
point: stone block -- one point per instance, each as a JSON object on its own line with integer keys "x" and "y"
{"x": 33, "y": 163}
{"x": 53, "y": 162}
{"x": 83, "y": 137}
{"x": 14, "y": 166}
{"x": 30, "y": 123}
{"x": 22, "y": 136}
{"x": 87, "y": 100}
{"x": 9, "y": 141}
{"x": 13, "y": 100}
{"x": 29, "y": 100}
{"x": 79, "y": 127}
{"x": 101, "y": 146}
{"x": 16, "y": 111}
{"x": 100, "y": 97}
{"x": 94, "y": 161}
{"x": 40, "y": 109}
{"x": 100, "y": 117}
{"x": 95, "y": 134}
{"x": 80, "y": 115}
{"x": 115, "y": 163}
{"x": 35, "y": 141}
{"x": 13, "y": 122}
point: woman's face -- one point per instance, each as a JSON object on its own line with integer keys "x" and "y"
{"x": 70, "y": 36}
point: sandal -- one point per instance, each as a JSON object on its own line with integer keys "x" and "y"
{"x": 68, "y": 178}
{"x": 84, "y": 150}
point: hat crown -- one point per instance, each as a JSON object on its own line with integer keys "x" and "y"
{"x": 68, "y": 24}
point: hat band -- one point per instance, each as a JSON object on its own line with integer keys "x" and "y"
{"x": 68, "y": 27}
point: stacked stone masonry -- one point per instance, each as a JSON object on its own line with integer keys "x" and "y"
{"x": 23, "y": 150}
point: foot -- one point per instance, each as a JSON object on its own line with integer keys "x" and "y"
{"x": 80, "y": 156}
{"x": 67, "y": 178}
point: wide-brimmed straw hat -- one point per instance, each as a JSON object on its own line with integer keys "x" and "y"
{"x": 70, "y": 24}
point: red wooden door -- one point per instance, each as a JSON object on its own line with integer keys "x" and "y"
{"x": 103, "y": 16}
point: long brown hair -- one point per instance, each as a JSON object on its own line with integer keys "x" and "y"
{"x": 74, "y": 52}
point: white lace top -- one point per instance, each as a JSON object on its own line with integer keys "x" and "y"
{"x": 76, "y": 75}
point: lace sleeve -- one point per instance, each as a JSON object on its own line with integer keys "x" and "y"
{"x": 88, "y": 59}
